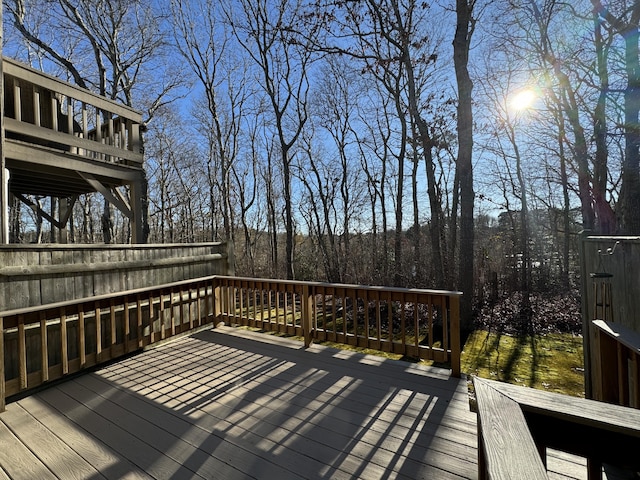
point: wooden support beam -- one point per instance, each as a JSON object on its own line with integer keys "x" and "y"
{"x": 2, "y": 385}
{"x": 116, "y": 200}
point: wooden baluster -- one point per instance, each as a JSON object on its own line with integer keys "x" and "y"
{"x": 17, "y": 101}
{"x": 64, "y": 350}
{"x": 110, "y": 135}
{"x": 191, "y": 306}
{"x": 112, "y": 319}
{"x": 82, "y": 336}
{"x": 98, "y": 138}
{"x": 22, "y": 353}
{"x": 390, "y": 319}
{"x": 416, "y": 325}
{"x": 36, "y": 106}
{"x": 139, "y": 321}
{"x": 294, "y": 312}
{"x": 261, "y": 286}
{"x": 98, "y": 332}
{"x": 430, "y": 325}
{"x": 161, "y": 313}
{"x": 54, "y": 113}
{"x": 70, "y": 127}
{"x": 172, "y": 314}
{"x": 456, "y": 348}
{"x": 403, "y": 323}
{"x": 634, "y": 384}
{"x": 334, "y": 314}
{"x": 206, "y": 300}
{"x": 127, "y": 326}
{"x": 135, "y": 138}
{"x": 378, "y": 320}
{"x": 85, "y": 127}
{"x": 44, "y": 347}
{"x": 255, "y": 306}
{"x": 445, "y": 322}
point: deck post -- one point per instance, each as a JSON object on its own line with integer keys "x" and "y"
{"x": 307, "y": 316}
{"x": 137, "y": 220}
{"x": 2, "y": 386}
{"x": 454, "y": 331}
{"x": 4, "y": 173}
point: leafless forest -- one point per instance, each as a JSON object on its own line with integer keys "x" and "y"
{"x": 458, "y": 145}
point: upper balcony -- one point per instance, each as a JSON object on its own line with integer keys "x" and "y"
{"x": 63, "y": 141}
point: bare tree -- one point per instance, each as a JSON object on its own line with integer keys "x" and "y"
{"x": 266, "y": 32}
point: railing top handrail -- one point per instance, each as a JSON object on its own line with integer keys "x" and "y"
{"x": 137, "y": 291}
{"x": 372, "y": 288}
{"x": 105, "y": 296}
{"x": 18, "y": 69}
{"x": 104, "y": 246}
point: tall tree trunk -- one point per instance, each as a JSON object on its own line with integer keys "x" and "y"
{"x": 605, "y": 218}
{"x": 461, "y": 44}
{"x": 630, "y": 190}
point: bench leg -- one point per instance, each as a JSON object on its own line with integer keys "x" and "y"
{"x": 594, "y": 469}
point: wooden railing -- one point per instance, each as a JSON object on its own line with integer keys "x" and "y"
{"x": 42, "y": 110}
{"x": 421, "y": 324}
{"x": 41, "y": 344}
{"x": 616, "y": 372}
{"x": 45, "y": 343}
{"x": 516, "y": 425}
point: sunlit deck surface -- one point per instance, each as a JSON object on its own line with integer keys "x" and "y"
{"x": 233, "y": 404}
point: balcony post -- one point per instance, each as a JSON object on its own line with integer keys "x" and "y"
{"x": 2, "y": 385}
{"x": 4, "y": 173}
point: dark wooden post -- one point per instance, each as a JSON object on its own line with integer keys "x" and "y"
{"x": 4, "y": 173}
{"x": 2, "y": 386}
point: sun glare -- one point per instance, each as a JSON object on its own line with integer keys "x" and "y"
{"x": 523, "y": 99}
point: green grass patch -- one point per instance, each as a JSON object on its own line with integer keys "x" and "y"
{"x": 552, "y": 362}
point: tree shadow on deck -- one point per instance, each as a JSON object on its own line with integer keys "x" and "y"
{"x": 240, "y": 405}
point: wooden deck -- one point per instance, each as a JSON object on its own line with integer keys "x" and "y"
{"x": 232, "y": 404}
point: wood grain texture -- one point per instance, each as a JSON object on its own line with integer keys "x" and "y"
{"x": 508, "y": 447}
{"x": 234, "y": 404}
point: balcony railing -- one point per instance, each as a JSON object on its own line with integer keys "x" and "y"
{"x": 41, "y": 110}
{"x": 41, "y": 344}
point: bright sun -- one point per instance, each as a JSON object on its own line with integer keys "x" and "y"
{"x": 523, "y": 99}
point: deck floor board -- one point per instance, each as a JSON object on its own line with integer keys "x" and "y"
{"x": 233, "y": 404}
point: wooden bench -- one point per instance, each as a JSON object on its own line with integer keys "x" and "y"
{"x": 516, "y": 425}
{"x": 616, "y": 373}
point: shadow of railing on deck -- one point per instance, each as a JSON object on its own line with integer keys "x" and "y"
{"x": 230, "y": 407}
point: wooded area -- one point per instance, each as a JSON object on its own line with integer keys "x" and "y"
{"x": 368, "y": 142}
